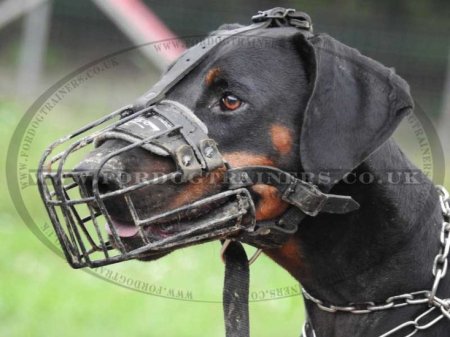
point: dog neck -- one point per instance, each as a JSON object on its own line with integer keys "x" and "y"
{"x": 385, "y": 248}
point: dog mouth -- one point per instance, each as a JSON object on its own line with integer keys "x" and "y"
{"x": 166, "y": 227}
{"x": 157, "y": 233}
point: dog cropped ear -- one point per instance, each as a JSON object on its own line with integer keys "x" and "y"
{"x": 354, "y": 107}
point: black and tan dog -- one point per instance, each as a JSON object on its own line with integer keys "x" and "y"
{"x": 319, "y": 107}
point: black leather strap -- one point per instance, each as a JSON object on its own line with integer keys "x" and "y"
{"x": 235, "y": 291}
{"x": 299, "y": 193}
{"x": 187, "y": 62}
{"x": 276, "y": 17}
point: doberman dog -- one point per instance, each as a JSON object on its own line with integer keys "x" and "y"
{"x": 320, "y": 108}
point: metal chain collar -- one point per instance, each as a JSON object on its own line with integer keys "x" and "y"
{"x": 439, "y": 308}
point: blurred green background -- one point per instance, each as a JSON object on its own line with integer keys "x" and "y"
{"x": 40, "y": 295}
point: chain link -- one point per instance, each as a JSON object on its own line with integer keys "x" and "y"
{"x": 439, "y": 308}
{"x": 422, "y": 322}
{"x": 440, "y": 264}
{"x": 418, "y": 297}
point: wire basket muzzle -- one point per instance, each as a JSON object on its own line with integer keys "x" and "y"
{"x": 78, "y": 208}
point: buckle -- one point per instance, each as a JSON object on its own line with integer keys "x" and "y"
{"x": 284, "y": 17}
{"x": 225, "y": 245}
{"x": 305, "y": 196}
{"x": 274, "y": 13}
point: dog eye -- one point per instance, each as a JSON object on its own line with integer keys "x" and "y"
{"x": 230, "y": 102}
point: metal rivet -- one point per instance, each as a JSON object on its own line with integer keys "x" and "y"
{"x": 263, "y": 231}
{"x": 126, "y": 113}
{"x": 209, "y": 151}
{"x": 187, "y": 160}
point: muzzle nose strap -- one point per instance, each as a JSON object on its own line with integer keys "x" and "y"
{"x": 170, "y": 128}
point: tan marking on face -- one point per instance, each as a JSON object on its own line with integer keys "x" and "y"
{"x": 211, "y": 75}
{"x": 200, "y": 188}
{"x": 211, "y": 183}
{"x": 270, "y": 204}
{"x": 281, "y": 138}
{"x": 240, "y": 159}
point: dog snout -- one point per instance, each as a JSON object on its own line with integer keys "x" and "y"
{"x": 102, "y": 173}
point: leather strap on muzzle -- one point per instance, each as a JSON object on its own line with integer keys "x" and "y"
{"x": 305, "y": 200}
{"x": 299, "y": 193}
{"x": 171, "y": 129}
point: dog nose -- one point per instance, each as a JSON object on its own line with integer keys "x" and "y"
{"x": 98, "y": 165}
{"x": 110, "y": 177}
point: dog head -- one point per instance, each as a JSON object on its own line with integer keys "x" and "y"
{"x": 271, "y": 97}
